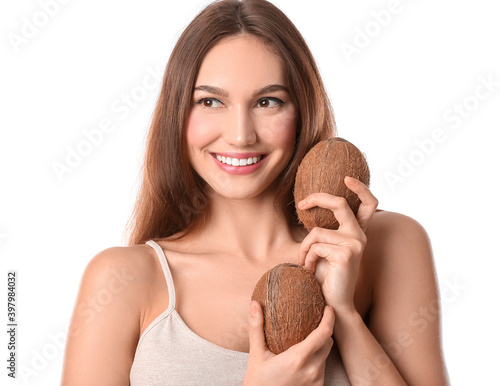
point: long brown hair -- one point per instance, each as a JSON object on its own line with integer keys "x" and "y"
{"x": 172, "y": 195}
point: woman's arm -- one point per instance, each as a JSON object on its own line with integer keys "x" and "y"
{"x": 405, "y": 316}
{"x": 105, "y": 325}
{"x": 402, "y": 271}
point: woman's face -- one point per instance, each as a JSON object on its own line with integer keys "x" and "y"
{"x": 242, "y": 124}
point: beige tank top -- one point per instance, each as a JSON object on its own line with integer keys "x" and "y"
{"x": 170, "y": 353}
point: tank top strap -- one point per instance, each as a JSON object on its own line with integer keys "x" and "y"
{"x": 166, "y": 273}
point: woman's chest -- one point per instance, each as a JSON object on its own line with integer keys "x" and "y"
{"x": 213, "y": 300}
{"x": 216, "y": 305}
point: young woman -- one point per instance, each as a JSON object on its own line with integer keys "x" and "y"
{"x": 242, "y": 102}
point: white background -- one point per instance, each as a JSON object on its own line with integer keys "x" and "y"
{"x": 396, "y": 89}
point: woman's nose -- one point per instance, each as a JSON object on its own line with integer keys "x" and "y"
{"x": 240, "y": 128}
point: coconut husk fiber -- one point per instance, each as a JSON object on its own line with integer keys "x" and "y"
{"x": 323, "y": 169}
{"x": 292, "y": 303}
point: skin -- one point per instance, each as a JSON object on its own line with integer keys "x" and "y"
{"x": 376, "y": 270}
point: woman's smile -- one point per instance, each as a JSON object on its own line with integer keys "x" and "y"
{"x": 239, "y": 164}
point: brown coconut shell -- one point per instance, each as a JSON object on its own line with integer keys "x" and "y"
{"x": 292, "y": 303}
{"x": 323, "y": 169}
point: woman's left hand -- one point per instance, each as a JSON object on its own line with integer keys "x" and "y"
{"x": 335, "y": 255}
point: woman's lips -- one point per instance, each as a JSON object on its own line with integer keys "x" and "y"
{"x": 238, "y": 163}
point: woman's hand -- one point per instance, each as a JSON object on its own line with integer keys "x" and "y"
{"x": 302, "y": 364}
{"x": 335, "y": 255}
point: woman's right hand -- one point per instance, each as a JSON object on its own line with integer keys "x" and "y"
{"x": 302, "y": 364}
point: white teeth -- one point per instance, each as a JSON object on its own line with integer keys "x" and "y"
{"x": 237, "y": 161}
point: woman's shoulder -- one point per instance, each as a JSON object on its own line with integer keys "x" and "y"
{"x": 397, "y": 245}
{"x": 396, "y": 241}
{"x": 138, "y": 261}
{"x": 127, "y": 280}
{"x": 395, "y": 228}
{"x": 123, "y": 273}
{"x": 109, "y": 311}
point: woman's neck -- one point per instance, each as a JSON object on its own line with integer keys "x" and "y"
{"x": 252, "y": 228}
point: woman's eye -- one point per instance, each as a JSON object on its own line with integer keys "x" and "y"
{"x": 269, "y": 102}
{"x": 209, "y": 102}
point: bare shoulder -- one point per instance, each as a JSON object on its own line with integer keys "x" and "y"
{"x": 386, "y": 225}
{"x": 133, "y": 264}
{"x": 108, "y": 312}
{"x": 124, "y": 278}
{"x": 398, "y": 250}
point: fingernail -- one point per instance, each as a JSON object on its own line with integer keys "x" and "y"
{"x": 352, "y": 180}
{"x": 301, "y": 204}
{"x": 253, "y": 308}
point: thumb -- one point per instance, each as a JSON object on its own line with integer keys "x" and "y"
{"x": 256, "y": 329}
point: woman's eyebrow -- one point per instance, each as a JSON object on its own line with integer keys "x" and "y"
{"x": 271, "y": 88}
{"x": 212, "y": 90}
{"x": 219, "y": 91}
